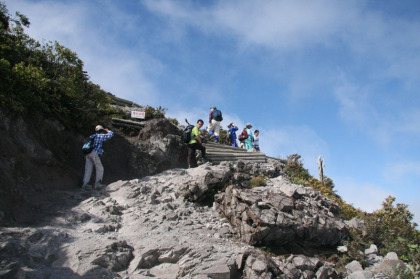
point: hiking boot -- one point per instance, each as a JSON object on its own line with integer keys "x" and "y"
{"x": 99, "y": 185}
{"x": 86, "y": 187}
{"x": 190, "y": 166}
{"x": 204, "y": 160}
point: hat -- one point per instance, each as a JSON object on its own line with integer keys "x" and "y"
{"x": 248, "y": 124}
{"x": 212, "y": 107}
{"x": 98, "y": 128}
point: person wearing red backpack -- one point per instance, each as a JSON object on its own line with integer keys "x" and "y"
{"x": 250, "y": 139}
{"x": 242, "y": 137}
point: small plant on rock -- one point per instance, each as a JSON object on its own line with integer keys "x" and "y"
{"x": 173, "y": 121}
{"x": 260, "y": 180}
{"x": 158, "y": 112}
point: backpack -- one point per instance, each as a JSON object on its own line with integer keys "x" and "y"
{"x": 88, "y": 146}
{"x": 217, "y": 115}
{"x": 243, "y": 136}
{"x": 186, "y": 135}
{"x": 229, "y": 138}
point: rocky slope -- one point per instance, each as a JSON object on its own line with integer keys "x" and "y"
{"x": 38, "y": 154}
{"x": 160, "y": 226}
{"x": 159, "y": 219}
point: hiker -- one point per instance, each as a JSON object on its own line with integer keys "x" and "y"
{"x": 194, "y": 144}
{"x": 232, "y": 134}
{"x": 248, "y": 141}
{"x": 242, "y": 137}
{"x": 256, "y": 140}
{"x": 93, "y": 158}
{"x": 215, "y": 117}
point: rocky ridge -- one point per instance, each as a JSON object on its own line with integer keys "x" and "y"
{"x": 160, "y": 226}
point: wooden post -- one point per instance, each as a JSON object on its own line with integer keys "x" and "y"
{"x": 321, "y": 167}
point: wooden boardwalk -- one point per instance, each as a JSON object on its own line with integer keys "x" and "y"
{"x": 217, "y": 153}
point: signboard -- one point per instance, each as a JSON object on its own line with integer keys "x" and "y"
{"x": 138, "y": 114}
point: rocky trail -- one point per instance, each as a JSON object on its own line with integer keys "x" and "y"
{"x": 134, "y": 228}
{"x": 204, "y": 222}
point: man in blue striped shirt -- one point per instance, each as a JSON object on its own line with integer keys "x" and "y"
{"x": 93, "y": 158}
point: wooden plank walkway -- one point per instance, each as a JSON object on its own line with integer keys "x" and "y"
{"x": 217, "y": 153}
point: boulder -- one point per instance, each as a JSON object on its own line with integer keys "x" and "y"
{"x": 253, "y": 263}
{"x": 269, "y": 216}
{"x": 373, "y": 249}
{"x": 353, "y": 267}
{"x": 360, "y": 275}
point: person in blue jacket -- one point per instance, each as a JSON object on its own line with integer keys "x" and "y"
{"x": 232, "y": 133}
{"x": 249, "y": 141}
{"x": 93, "y": 159}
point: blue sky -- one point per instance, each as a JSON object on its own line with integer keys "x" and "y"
{"x": 339, "y": 79}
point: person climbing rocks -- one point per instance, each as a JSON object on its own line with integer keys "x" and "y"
{"x": 248, "y": 141}
{"x": 256, "y": 140}
{"x": 93, "y": 158}
{"x": 215, "y": 117}
{"x": 232, "y": 134}
{"x": 194, "y": 144}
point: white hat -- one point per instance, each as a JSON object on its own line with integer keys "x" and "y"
{"x": 98, "y": 128}
{"x": 248, "y": 124}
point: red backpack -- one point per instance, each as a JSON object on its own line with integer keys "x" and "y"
{"x": 243, "y": 136}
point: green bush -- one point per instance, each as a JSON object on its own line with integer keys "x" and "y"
{"x": 47, "y": 79}
{"x": 297, "y": 174}
{"x": 158, "y": 112}
{"x": 391, "y": 229}
{"x": 173, "y": 121}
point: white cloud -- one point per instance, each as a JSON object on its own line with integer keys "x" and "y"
{"x": 285, "y": 24}
{"x": 361, "y": 108}
{"x": 397, "y": 170}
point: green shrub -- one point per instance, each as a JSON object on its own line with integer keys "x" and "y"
{"x": 391, "y": 229}
{"x": 158, "y": 112}
{"x": 173, "y": 121}
{"x": 297, "y": 174}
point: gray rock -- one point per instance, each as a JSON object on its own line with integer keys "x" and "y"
{"x": 388, "y": 267}
{"x": 342, "y": 249}
{"x": 360, "y": 275}
{"x": 373, "y": 249}
{"x": 304, "y": 263}
{"x": 259, "y": 266}
{"x": 372, "y": 259}
{"x": 355, "y": 223}
{"x": 117, "y": 256}
{"x": 268, "y": 216}
{"x": 391, "y": 256}
{"x": 326, "y": 272}
{"x": 353, "y": 267}
{"x": 217, "y": 272}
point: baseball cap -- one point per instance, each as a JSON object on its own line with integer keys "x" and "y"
{"x": 98, "y": 128}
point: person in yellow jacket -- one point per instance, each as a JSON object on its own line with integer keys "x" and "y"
{"x": 194, "y": 144}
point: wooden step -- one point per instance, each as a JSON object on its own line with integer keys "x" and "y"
{"x": 253, "y": 160}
